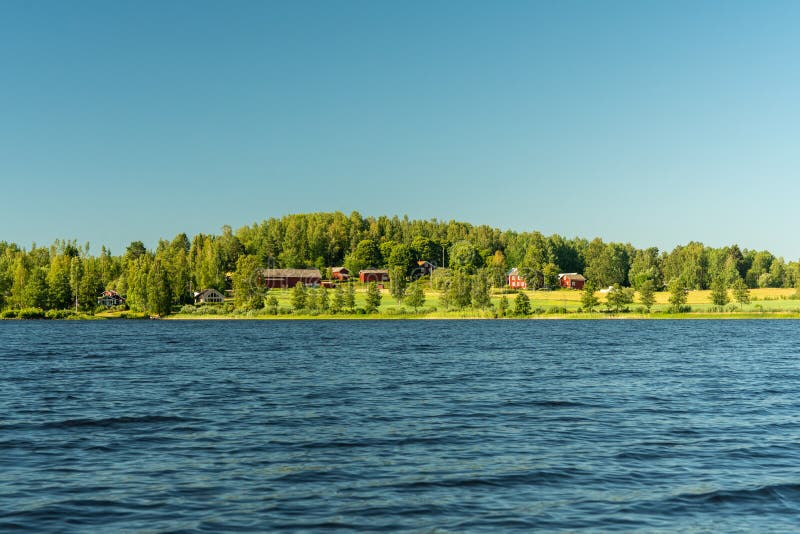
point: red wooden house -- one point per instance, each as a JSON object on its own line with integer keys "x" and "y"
{"x": 571, "y": 280}
{"x": 340, "y": 273}
{"x": 515, "y": 279}
{"x": 373, "y": 275}
{"x": 285, "y": 278}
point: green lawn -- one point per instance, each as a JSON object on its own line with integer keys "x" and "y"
{"x": 545, "y": 303}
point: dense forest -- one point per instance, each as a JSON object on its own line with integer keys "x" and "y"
{"x": 66, "y": 274}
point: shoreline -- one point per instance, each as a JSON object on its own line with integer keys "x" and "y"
{"x": 549, "y": 317}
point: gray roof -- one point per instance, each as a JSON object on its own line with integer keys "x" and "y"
{"x": 573, "y": 276}
{"x": 373, "y": 271}
{"x": 291, "y": 273}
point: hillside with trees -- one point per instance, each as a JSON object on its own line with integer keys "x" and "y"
{"x": 66, "y": 275}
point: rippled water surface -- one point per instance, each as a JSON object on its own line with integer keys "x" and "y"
{"x": 389, "y": 425}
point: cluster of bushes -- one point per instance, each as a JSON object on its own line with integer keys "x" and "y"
{"x": 38, "y": 313}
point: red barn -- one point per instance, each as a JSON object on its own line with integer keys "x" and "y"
{"x": 373, "y": 275}
{"x": 340, "y": 273}
{"x": 285, "y": 278}
{"x": 515, "y": 279}
{"x": 571, "y": 280}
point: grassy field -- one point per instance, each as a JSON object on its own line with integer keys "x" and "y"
{"x": 772, "y": 302}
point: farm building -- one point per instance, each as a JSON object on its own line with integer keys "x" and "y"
{"x": 285, "y": 278}
{"x": 373, "y": 275}
{"x": 571, "y": 280}
{"x": 110, "y": 298}
{"x": 208, "y": 296}
{"x": 424, "y": 268}
{"x": 515, "y": 279}
{"x": 340, "y": 273}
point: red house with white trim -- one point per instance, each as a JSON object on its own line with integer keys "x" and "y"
{"x": 515, "y": 279}
{"x": 571, "y": 280}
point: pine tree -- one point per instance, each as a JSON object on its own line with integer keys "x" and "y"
{"x": 324, "y": 300}
{"x": 502, "y": 306}
{"x": 312, "y": 302}
{"x": 337, "y": 303}
{"x": 350, "y": 297}
{"x": 522, "y": 304}
{"x": 373, "y": 298}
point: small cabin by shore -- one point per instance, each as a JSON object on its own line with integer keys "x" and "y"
{"x": 208, "y": 296}
{"x": 110, "y": 299}
{"x": 571, "y": 280}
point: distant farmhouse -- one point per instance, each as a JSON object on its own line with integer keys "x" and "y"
{"x": 286, "y": 278}
{"x": 110, "y": 298}
{"x": 373, "y": 275}
{"x": 571, "y": 280}
{"x": 340, "y": 273}
{"x": 208, "y": 296}
{"x": 425, "y": 268}
{"x": 515, "y": 279}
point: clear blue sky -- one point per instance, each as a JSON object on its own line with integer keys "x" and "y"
{"x": 644, "y": 121}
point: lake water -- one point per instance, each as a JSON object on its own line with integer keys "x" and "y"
{"x": 390, "y": 425}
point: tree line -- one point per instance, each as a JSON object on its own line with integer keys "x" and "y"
{"x": 476, "y": 257}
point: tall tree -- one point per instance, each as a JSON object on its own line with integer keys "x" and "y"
{"x": 415, "y": 296}
{"x": 299, "y": 296}
{"x": 719, "y": 292}
{"x": 522, "y": 304}
{"x": 481, "y": 297}
{"x": 741, "y": 292}
{"x": 373, "y": 300}
{"x": 589, "y": 299}
{"x": 397, "y": 282}
{"x": 647, "y": 295}
{"x": 159, "y": 295}
{"x": 677, "y": 294}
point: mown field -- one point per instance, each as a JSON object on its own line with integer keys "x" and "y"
{"x": 543, "y": 303}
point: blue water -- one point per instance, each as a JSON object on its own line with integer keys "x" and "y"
{"x": 423, "y": 426}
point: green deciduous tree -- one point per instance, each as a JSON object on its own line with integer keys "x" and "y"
{"x": 397, "y": 282}
{"x": 719, "y": 292}
{"x": 247, "y": 294}
{"x": 677, "y": 294}
{"x": 741, "y": 292}
{"x": 481, "y": 297}
{"x": 299, "y": 296}
{"x": 647, "y": 295}
{"x": 415, "y": 296}
{"x": 589, "y": 299}
{"x": 459, "y": 291}
{"x": 159, "y": 295}
{"x": 618, "y": 298}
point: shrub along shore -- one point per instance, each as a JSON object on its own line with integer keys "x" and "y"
{"x": 319, "y": 304}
